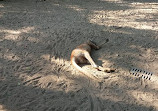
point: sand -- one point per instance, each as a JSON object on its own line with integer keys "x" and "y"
{"x": 36, "y": 40}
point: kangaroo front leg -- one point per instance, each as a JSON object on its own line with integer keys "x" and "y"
{"x": 88, "y": 57}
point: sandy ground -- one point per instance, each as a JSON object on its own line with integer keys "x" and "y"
{"x": 36, "y": 40}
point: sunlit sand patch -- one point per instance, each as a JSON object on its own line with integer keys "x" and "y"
{"x": 119, "y": 19}
{"x": 26, "y": 30}
{"x": 136, "y": 17}
{"x": 154, "y": 81}
{"x": 60, "y": 61}
{"x": 33, "y": 39}
{"x": 96, "y": 73}
{"x": 144, "y": 5}
{"x": 46, "y": 57}
{"x": 11, "y": 56}
{"x": 75, "y": 7}
{"x": 113, "y": 1}
{"x": 2, "y": 108}
{"x": 142, "y": 96}
{"x": 145, "y": 97}
{"x": 11, "y": 37}
{"x": 50, "y": 82}
{"x": 15, "y": 34}
{"x": 56, "y": 4}
{"x": 59, "y": 64}
{"x": 1, "y": 6}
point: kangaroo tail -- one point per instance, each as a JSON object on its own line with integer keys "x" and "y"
{"x": 73, "y": 62}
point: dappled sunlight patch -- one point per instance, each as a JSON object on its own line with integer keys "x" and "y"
{"x": 147, "y": 57}
{"x": 62, "y": 63}
{"x": 154, "y": 82}
{"x": 28, "y": 79}
{"x": 145, "y": 6}
{"x": 146, "y": 98}
{"x": 49, "y": 82}
{"x": 11, "y": 56}
{"x": 75, "y": 7}
{"x": 33, "y": 39}
{"x": 46, "y": 57}
{"x": 56, "y": 4}
{"x": 41, "y": 73}
{"x": 140, "y": 16}
{"x": 116, "y": 1}
{"x": 23, "y": 30}
{"x": 1, "y": 6}
{"x": 11, "y": 37}
{"x": 42, "y": 77}
{"x": 15, "y": 34}
{"x": 107, "y": 63}
{"x": 2, "y": 108}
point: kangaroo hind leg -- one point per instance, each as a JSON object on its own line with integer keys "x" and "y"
{"x": 88, "y": 57}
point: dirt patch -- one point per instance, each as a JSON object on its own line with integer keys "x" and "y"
{"x": 36, "y": 40}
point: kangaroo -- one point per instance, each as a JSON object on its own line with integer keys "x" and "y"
{"x": 81, "y": 54}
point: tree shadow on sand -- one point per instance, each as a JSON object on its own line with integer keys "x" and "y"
{"x": 57, "y": 95}
{"x": 35, "y": 45}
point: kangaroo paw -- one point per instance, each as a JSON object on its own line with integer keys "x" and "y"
{"x": 108, "y": 70}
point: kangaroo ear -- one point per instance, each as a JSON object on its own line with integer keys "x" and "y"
{"x": 91, "y": 41}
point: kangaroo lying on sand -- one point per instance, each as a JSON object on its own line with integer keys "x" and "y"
{"x": 81, "y": 54}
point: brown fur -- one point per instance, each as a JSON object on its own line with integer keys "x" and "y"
{"x": 81, "y": 54}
